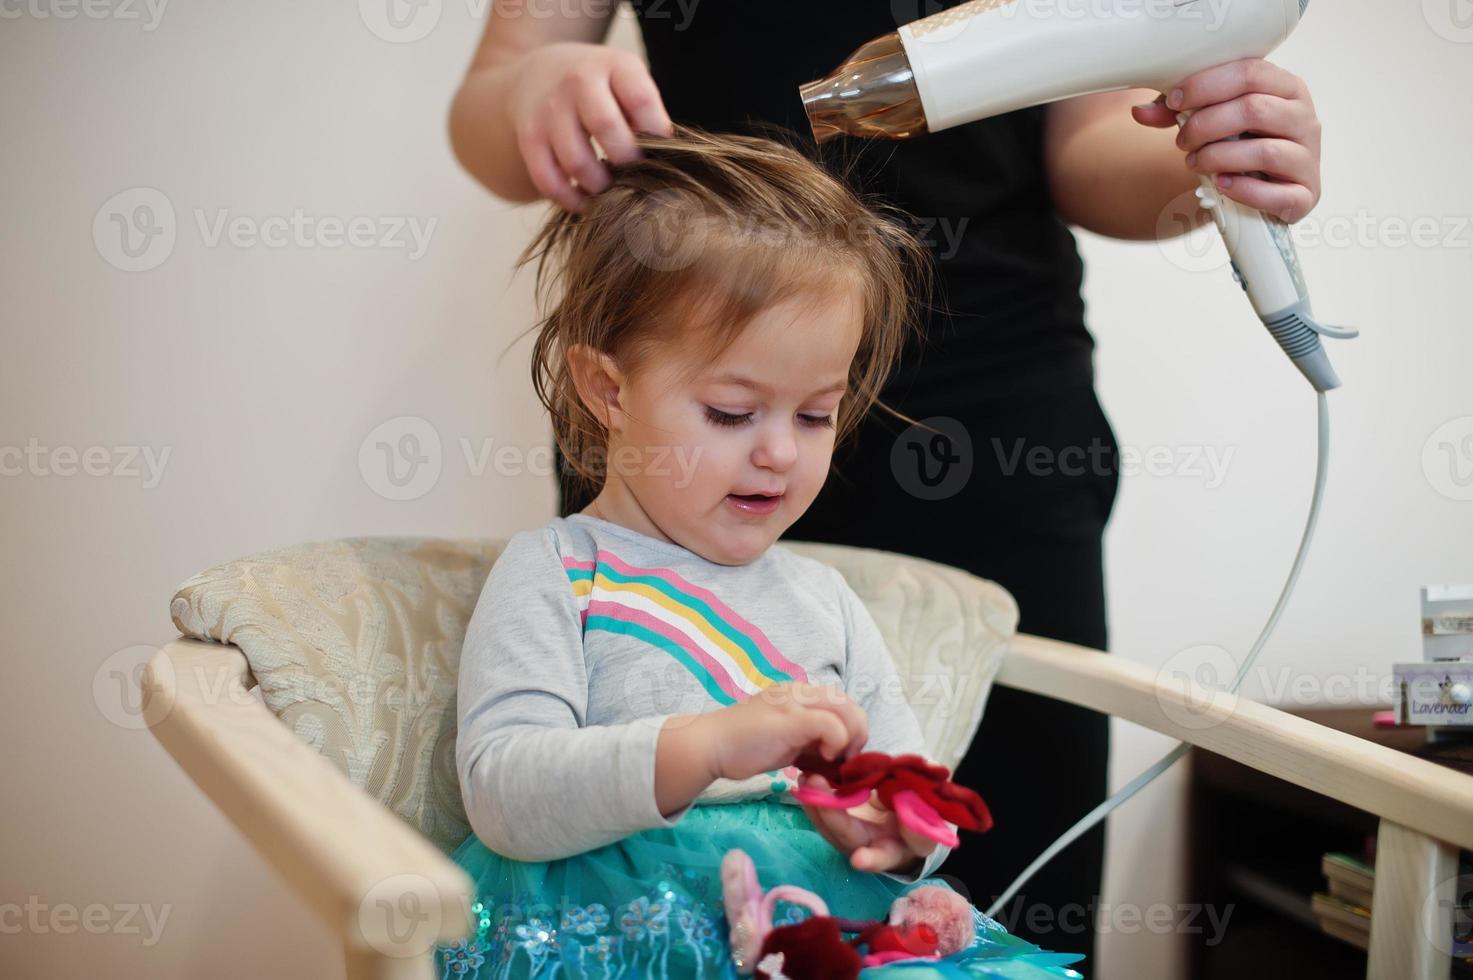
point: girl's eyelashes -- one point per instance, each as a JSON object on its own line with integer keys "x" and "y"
{"x": 717, "y": 417}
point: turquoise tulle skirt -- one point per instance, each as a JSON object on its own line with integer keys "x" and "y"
{"x": 649, "y": 906}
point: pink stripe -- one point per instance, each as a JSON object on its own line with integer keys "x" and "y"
{"x": 615, "y": 610}
{"x": 575, "y": 564}
{"x": 756, "y": 635}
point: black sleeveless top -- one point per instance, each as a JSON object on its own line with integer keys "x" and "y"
{"x": 1007, "y": 318}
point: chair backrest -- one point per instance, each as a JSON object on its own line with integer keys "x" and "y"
{"x": 356, "y": 643}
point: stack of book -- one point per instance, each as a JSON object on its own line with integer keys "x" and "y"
{"x": 1344, "y": 909}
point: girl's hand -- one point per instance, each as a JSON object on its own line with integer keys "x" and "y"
{"x": 1255, "y": 97}
{"x": 870, "y": 834}
{"x": 770, "y": 728}
{"x": 568, "y": 91}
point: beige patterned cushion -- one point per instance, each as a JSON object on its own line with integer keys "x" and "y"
{"x": 355, "y": 644}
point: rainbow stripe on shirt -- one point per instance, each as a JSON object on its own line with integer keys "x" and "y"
{"x": 730, "y": 657}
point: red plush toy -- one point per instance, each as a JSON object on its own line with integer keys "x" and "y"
{"x": 814, "y": 949}
{"x": 811, "y": 950}
{"x": 921, "y": 794}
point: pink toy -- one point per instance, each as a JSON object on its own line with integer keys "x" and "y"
{"x": 749, "y": 912}
{"x": 928, "y": 922}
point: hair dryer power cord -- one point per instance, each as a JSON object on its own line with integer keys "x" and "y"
{"x": 1099, "y": 813}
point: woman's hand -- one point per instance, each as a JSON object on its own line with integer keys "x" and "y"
{"x": 870, "y": 835}
{"x": 568, "y": 91}
{"x": 769, "y": 729}
{"x": 1255, "y": 97}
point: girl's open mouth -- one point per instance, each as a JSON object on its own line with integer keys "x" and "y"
{"x": 754, "y": 503}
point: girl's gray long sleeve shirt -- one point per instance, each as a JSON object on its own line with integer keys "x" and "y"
{"x": 588, "y": 635}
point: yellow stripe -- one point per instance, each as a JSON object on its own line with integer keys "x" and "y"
{"x": 737, "y": 654}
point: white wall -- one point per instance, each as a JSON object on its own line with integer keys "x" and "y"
{"x": 261, "y": 371}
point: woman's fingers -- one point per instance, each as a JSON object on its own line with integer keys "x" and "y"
{"x": 1154, "y": 114}
{"x": 546, "y": 173}
{"x": 601, "y": 116}
{"x": 576, "y": 94}
{"x": 1293, "y": 190}
{"x": 1266, "y": 115}
{"x": 1255, "y": 97}
{"x": 1223, "y": 82}
{"x": 1283, "y": 159}
{"x": 575, "y": 154}
{"x": 1287, "y": 202}
{"x": 639, "y": 98}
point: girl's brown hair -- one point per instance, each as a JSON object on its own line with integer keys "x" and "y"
{"x": 713, "y": 229}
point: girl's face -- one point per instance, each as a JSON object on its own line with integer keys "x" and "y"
{"x": 723, "y": 463}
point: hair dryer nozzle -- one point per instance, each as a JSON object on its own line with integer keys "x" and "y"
{"x": 873, "y": 93}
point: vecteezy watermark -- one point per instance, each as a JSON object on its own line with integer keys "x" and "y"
{"x": 942, "y": 235}
{"x": 1447, "y": 458}
{"x": 1099, "y": 458}
{"x": 671, "y": 231}
{"x": 1186, "y": 239}
{"x": 148, "y": 12}
{"x": 680, "y": 10}
{"x": 400, "y": 21}
{"x": 1451, "y": 20}
{"x": 118, "y": 687}
{"x": 659, "y": 688}
{"x": 400, "y": 915}
{"x": 389, "y": 232}
{"x": 403, "y": 458}
{"x": 36, "y": 916}
{"x": 1446, "y": 916}
{"x": 145, "y": 463}
{"x": 932, "y": 459}
{"x": 1287, "y": 686}
{"x": 1192, "y": 244}
{"x": 1366, "y": 230}
{"x": 947, "y": 25}
{"x": 407, "y": 21}
{"x": 1128, "y": 918}
{"x": 1193, "y": 686}
{"x": 136, "y": 230}
{"x": 675, "y": 227}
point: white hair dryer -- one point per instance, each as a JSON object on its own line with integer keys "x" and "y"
{"x": 986, "y": 57}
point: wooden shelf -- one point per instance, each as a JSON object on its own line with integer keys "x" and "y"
{"x": 1255, "y": 846}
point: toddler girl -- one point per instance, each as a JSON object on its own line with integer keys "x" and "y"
{"x": 638, "y": 678}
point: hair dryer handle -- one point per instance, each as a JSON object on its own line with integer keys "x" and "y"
{"x": 1266, "y": 265}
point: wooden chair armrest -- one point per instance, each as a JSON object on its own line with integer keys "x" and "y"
{"x": 1412, "y": 792}
{"x": 385, "y": 889}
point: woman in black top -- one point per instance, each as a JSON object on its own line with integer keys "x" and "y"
{"x": 1018, "y": 486}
